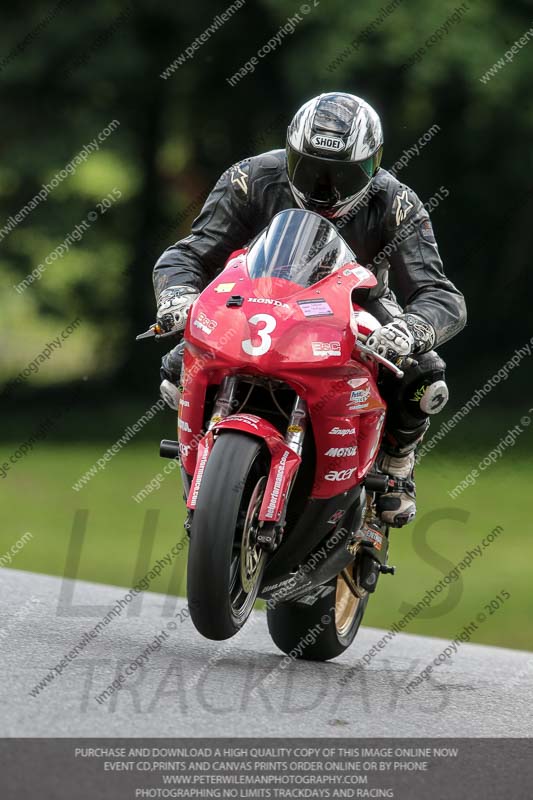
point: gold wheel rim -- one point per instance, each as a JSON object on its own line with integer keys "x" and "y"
{"x": 252, "y": 557}
{"x": 346, "y": 605}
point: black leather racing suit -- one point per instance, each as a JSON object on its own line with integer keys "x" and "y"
{"x": 389, "y": 231}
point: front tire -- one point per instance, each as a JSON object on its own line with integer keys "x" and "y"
{"x": 225, "y": 567}
{"x": 323, "y": 630}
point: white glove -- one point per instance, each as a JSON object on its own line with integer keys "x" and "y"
{"x": 392, "y": 341}
{"x": 173, "y": 307}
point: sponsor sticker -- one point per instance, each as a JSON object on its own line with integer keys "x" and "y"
{"x": 224, "y": 288}
{"x": 271, "y": 508}
{"x": 294, "y": 429}
{"x": 340, "y": 475}
{"x": 315, "y": 308}
{"x": 359, "y": 272}
{"x": 359, "y": 398}
{"x": 184, "y": 425}
{"x": 205, "y": 324}
{"x": 342, "y": 432}
{"x": 199, "y": 476}
{"x": 341, "y": 452}
{"x": 248, "y": 418}
{"x": 326, "y": 348}
{"x": 375, "y": 537}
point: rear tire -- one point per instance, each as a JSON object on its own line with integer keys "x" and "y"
{"x": 320, "y": 631}
{"x": 224, "y": 569}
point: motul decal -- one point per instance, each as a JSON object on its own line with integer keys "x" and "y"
{"x": 341, "y": 452}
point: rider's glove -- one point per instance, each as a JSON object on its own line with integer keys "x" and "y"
{"x": 173, "y": 307}
{"x": 392, "y": 341}
{"x": 423, "y": 333}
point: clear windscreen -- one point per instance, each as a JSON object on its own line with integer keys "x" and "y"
{"x": 298, "y": 246}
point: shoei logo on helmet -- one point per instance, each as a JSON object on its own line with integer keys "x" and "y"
{"x": 327, "y": 142}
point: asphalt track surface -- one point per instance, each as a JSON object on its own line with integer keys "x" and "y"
{"x": 195, "y": 687}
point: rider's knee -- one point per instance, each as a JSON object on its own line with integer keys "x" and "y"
{"x": 424, "y": 389}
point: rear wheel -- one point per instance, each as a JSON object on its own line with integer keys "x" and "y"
{"x": 225, "y": 566}
{"x": 324, "y": 629}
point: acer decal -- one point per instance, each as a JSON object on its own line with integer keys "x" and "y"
{"x": 340, "y": 475}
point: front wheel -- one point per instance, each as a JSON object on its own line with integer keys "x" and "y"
{"x": 225, "y": 566}
{"x": 324, "y": 629}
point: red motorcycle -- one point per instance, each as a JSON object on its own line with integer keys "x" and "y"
{"x": 279, "y": 424}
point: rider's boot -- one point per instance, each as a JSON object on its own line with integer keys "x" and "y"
{"x": 397, "y": 507}
{"x": 170, "y": 373}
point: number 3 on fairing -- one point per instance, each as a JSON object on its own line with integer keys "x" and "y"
{"x": 263, "y": 333}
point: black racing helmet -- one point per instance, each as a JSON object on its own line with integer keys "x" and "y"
{"x": 334, "y": 149}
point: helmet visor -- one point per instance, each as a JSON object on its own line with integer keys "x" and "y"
{"x": 329, "y": 181}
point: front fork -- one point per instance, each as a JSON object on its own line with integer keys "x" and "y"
{"x": 270, "y": 534}
{"x": 223, "y": 407}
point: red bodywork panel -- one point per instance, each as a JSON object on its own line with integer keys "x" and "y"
{"x": 304, "y": 337}
{"x": 284, "y": 462}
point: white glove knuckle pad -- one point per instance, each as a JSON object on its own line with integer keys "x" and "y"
{"x": 392, "y": 340}
{"x": 175, "y": 303}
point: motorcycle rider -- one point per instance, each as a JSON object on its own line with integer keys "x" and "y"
{"x": 331, "y": 165}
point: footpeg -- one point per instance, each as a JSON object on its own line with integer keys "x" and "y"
{"x": 386, "y": 570}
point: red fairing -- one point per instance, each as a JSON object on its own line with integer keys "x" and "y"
{"x": 204, "y": 449}
{"x": 284, "y": 462}
{"x": 305, "y": 337}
